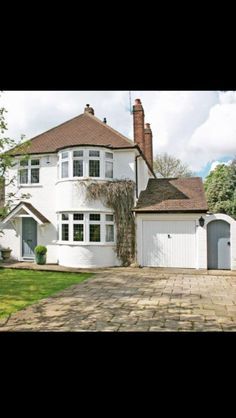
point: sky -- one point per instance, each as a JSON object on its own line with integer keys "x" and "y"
{"x": 199, "y": 127}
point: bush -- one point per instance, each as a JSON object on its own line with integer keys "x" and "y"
{"x": 40, "y": 250}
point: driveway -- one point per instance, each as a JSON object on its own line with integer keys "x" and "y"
{"x": 125, "y": 299}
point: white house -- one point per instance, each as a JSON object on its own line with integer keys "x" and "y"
{"x": 82, "y": 233}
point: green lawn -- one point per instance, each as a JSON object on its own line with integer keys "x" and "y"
{"x": 19, "y": 288}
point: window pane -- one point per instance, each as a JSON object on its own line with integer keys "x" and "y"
{"x": 109, "y": 233}
{"x": 24, "y": 163}
{"x": 109, "y": 218}
{"x": 78, "y": 168}
{"x": 78, "y": 153}
{"x": 64, "y": 216}
{"x": 94, "y": 153}
{"x": 35, "y": 175}
{"x": 34, "y": 162}
{"x": 94, "y": 233}
{"x": 109, "y": 170}
{"x": 24, "y": 176}
{"x": 94, "y": 168}
{"x": 109, "y": 155}
{"x": 64, "y": 169}
{"x": 78, "y": 216}
{"x": 94, "y": 217}
{"x": 65, "y": 232}
{"x": 78, "y": 232}
{"x": 64, "y": 155}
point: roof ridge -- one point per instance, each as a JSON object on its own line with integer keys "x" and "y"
{"x": 109, "y": 127}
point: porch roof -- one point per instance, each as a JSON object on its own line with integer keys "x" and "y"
{"x": 30, "y": 210}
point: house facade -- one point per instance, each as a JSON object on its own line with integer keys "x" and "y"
{"x": 80, "y": 232}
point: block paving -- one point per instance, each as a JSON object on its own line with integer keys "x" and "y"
{"x": 136, "y": 300}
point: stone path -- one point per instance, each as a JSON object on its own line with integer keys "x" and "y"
{"x": 135, "y": 300}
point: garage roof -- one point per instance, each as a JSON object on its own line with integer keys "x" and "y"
{"x": 173, "y": 195}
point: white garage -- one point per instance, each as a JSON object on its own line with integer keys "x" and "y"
{"x": 169, "y": 243}
{"x": 174, "y": 229}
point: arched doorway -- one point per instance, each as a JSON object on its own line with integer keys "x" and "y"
{"x": 218, "y": 245}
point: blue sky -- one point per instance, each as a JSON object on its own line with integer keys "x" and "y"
{"x": 199, "y": 127}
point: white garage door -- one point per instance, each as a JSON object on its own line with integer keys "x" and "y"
{"x": 169, "y": 244}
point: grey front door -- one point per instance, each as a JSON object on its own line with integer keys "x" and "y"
{"x": 29, "y": 237}
{"x": 218, "y": 245}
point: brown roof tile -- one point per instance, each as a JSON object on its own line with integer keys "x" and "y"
{"x": 32, "y": 210}
{"x": 173, "y": 195}
{"x": 84, "y": 129}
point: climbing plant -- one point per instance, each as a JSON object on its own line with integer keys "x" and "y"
{"x": 119, "y": 196}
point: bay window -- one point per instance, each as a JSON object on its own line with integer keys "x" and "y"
{"x": 85, "y": 163}
{"x": 86, "y": 228}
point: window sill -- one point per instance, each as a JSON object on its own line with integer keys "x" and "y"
{"x": 84, "y": 179}
{"x": 30, "y": 185}
{"x": 86, "y": 244}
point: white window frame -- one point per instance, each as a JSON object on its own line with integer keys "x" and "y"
{"x": 93, "y": 158}
{"x": 28, "y": 167}
{"x": 99, "y": 222}
{"x": 78, "y": 222}
{"x": 86, "y": 222}
{"x": 108, "y": 160}
{"x": 65, "y": 160}
{"x": 111, "y": 223}
{"x": 86, "y": 158}
{"x": 82, "y": 158}
{"x": 64, "y": 222}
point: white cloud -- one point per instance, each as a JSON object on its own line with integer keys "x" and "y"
{"x": 195, "y": 126}
{"x": 216, "y": 163}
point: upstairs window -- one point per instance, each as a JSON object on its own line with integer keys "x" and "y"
{"x": 64, "y": 165}
{"x": 109, "y": 165}
{"x": 29, "y": 171}
{"x": 94, "y": 163}
{"x": 78, "y": 163}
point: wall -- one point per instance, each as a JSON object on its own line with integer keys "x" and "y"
{"x": 143, "y": 175}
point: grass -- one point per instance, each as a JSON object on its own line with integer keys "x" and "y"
{"x": 20, "y": 288}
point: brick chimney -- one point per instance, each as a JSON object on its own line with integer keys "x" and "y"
{"x": 138, "y": 118}
{"x": 148, "y": 144}
{"x": 89, "y": 109}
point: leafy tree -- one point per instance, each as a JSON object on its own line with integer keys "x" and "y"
{"x": 167, "y": 166}
{"x": 6, "y": 162}
{"x": 220, "y": 187}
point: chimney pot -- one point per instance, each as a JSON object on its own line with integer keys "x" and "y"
{"x": 147, "y": 126}
{"x": 137, "y": 101}
{"x": 89, "y": 109}
{"x": 104, "y": 120}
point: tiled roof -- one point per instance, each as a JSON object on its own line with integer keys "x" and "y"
{"x": 31, "y": 208}
{"x": 173, "y": 195}
{"x": 84, "y": 129}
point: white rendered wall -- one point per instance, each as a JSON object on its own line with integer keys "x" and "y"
{"x": 143, "y": 175}
{"x": 87, "y": 256}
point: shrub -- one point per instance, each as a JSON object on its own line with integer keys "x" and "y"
{"x": 40, "y": 250}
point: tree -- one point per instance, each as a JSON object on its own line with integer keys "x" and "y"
{"x": 167, "y": 166}
{"x": 220, "y": 187}
{"x": 6, "y": 162}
